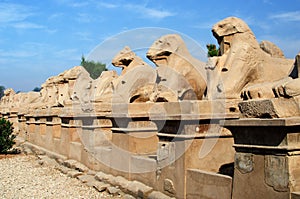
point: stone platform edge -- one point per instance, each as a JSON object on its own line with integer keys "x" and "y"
{"x": 78, "y": 170}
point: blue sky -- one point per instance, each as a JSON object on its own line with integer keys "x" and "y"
{"x": 39, "y": 39}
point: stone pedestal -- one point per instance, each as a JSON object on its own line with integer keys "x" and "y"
{"x": 70, "y": 135}
{"x": 190, "y": 138}
{"x": 134, "y": 139}
{"x": 195, "y": 144}
{"x": 267, "y": 157}
{"x": 94, "y": 136}
{"x": 138, "y": 138}
{"x": 30, "y": 122}
{"x": 53, "y": 131}
{"x": 22, "y": 126}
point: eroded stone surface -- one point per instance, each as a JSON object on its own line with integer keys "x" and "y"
{"x": 18, "y": 100}
{"x": 276, "y": 174}
{"x": 242, "y": 63}
{"x": 103, "y": 87}
{"x": 171, "y": 51}
{"x": 127, "y": 59}
{"x": 271, "y": 49}
{"x": 72, "y": 85}
{"x": 244, "y": 162}
{"x": 289, "y": 86}
{"x": 270, "y": 108}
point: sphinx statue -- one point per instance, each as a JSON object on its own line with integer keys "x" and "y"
{"x": 289, "y": 86}
{"x": 68, "y": 87}
{"x": 8, "y": 97}
{"x": 137, "y": 80}
{"x": 243, "y": 69}
{"x": 127, "y": 59}
{"x": 170, "y": 55}
{"x": 78, "y": 88}
{"x": 103, "y": 86}
{"x": 19, "y": 100}
{"x": 271, "y": 49}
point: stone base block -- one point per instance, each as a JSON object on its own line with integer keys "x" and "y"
{"x": 270, "y": 108}
{"x": 202, "y": 184}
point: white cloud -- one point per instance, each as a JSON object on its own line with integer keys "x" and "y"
{"x": 26, "y": 50}
{"x": 158, "y": 13}
{"x": 72, "y": 3}
{"x": 84, "y": 18}
{"x": 55, "y": 16}
{"x": 79, "y": 4}
{"x": 85, "y": 36}
{"x": 268, "y": 2}
{"x": 287, "y": 16}
{"x": 107, "y": 5}
{"x": 50, "y": 31}
{"x": 13, "y": 12}
{"x": 16, "y": 15}
{"x": 68, "y": 54}
{"x": 142, "y": 10}
{"x": 27, "y": 25}
{"x": 17, "y": 53}
{"x": 150, "y": 12}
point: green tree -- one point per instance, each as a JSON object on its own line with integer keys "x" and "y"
{"x": 94, "y": 68}
{"x": 2, "y": 89}
{"x": 6, "y": 136}
{"x": 212, "y": 50}
{"x": 37, "y": 89}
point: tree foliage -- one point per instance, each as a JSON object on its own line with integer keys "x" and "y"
{"x": 2, "y": 89}
{"x": 6, "y": 136}
{"x": 94, "y": 68}
{"x": 212, "y": 50}
{"x": 37, "y": 89}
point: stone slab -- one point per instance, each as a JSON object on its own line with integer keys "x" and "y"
{"x": 270, "y": 108}
{"x": 202, "y": 184}
{"x": 179, "y": 110}
{"x": 295, "y": 195}
{"x": 291, "y": 121}
{"x": 75, "y": 150}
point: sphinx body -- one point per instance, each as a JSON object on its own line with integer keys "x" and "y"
{"x": 171, "y": 52}
{"x": 242, "y": 64}
{"x": 289, "y": 86}
{"x": 137, "y": 80}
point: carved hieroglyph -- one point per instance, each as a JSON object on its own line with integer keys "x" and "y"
{"x": 170, "y": 51}
{"x": 243, "y": 69}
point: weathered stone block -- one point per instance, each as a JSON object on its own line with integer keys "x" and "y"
{"x": 270, "y": 108}
{"x": 202, "y": 184}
